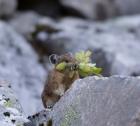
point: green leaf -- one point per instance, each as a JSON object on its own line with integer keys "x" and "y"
{"x": 88, "y": 53}
{"x": 87, "y": 69}
{"x": 83, "y": 74}
{"x": 61, "y": 66}
{"x": 96, "y": 70}
{"x": 83, "y": 57}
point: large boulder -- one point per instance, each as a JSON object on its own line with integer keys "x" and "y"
{"x": 102, "y": 9}
{"x": 11, "y": 112}
{"x": 19, "y": 65}
{"x": 7, "y": 7}
{"x": 96, "y": 101}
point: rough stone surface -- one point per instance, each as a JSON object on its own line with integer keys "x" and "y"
{"x": 115, "y": 43}
{"x": 102, "y": 9}
{"x": 11, "y": 113}
{"x": 42, "y": 117}
{"x": 19, "y": 65}
{"x": 98, "y": 101}
{"x": 7, "y": 7}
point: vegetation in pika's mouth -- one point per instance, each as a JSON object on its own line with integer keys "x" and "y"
{"x": 84, "y": 65}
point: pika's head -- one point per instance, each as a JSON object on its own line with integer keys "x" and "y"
{"x": 56, "y": 59}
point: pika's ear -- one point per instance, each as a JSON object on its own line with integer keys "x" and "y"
{"x": 53, "y": 58}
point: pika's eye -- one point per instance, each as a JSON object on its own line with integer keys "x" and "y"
{"x": 66, "y": 61}
{"x": 53, "y": 58}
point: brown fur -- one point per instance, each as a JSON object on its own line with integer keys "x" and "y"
{"x": 58, "y": 82}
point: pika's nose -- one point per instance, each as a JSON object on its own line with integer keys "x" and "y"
{"x": 74, "y": 67}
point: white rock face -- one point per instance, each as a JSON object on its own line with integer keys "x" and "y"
{"x": 11, "y": 112}
{"x": 19, "y": 65}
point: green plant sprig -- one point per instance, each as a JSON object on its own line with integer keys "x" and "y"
{"x": 85, "y": 67}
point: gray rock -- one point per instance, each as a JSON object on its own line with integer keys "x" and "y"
{"x": 102, "y": 9}
{"x": 11, "y": 113}
{"x": 42, "y": 117}
{"x": 7, "y": 7}
{"x": 28, "y": 20}
{"x": 98, "y": 101}
{"x": 19, "y": 65}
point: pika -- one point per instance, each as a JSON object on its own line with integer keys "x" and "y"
{"x": 59, "y": 81}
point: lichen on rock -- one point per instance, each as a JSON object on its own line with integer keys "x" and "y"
{"x": 11, "y": 113}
